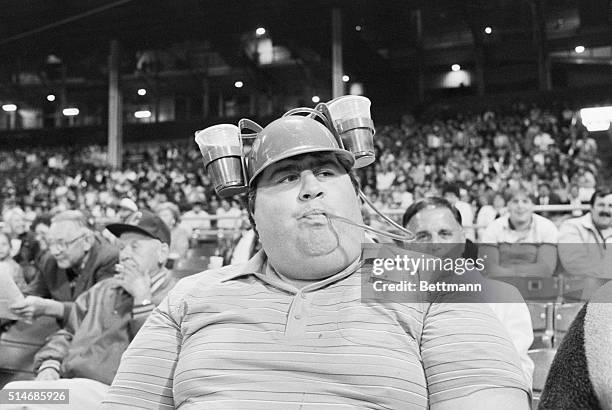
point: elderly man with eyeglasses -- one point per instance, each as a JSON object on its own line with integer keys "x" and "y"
{"x": 76, "y": 261}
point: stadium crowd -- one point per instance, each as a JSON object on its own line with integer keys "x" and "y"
{"x": 490, "y": 167}
{"x": 484, "y": 154}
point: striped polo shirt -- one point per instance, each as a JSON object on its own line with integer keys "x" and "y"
{"x": 241, "y": 338}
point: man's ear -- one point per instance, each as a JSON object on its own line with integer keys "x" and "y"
{"x": 88, "y": 239}
{"x": 164, "y": 251}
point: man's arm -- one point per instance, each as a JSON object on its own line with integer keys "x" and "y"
{"x": 544, "y": 266}
{"x": 469, "y": 361}
{"x": 574, "y": 253}
{"x": 52, "y": 354}
{"x": 145, "y": 376}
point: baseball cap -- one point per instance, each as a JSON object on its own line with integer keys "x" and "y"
{"x": 146, "y": 223}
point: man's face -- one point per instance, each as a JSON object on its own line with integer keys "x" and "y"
{"x": 544, "y": 191}
{"x": 17, "y": 224}
{"x": 601, "y": 212}
{"x": 68, "y": 243}
{"x": 293, "y": 199}
{"x": 144, "y": 252}
{"x": 437, "y": 233}
{"x": 42, "y": 231}
{"x": 520, "y": 208}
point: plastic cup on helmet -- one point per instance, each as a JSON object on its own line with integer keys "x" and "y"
{"x": 221, "y": 150}
{"x": 351, "y": 117}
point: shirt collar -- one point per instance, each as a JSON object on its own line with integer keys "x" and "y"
{"x": 258, "y": 266}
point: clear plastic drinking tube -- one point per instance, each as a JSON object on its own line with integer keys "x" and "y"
{"x": 407, "y": 236}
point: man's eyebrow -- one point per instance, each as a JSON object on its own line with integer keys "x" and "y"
{"x": 283, "y": 168}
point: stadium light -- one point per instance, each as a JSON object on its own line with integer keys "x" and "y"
{"x": 142, "y": 91}
{"x": 596, "y": 118}
{"x": 70, "y": 112}
{"x": 142, "y": 114}
{"x": 357, "y": 28}
{"x": 238, "y": 84}
{"x": 488, "y": 30}
{"x": 579, "y": 49}
{"x": 455, "y": 67}
{"x": 260, "y": 31}
{"x": 9, "y": 107}
{"x": 345, "y": 78}
{"x": 315, "y": 99}
{"x": 51, "y": 97}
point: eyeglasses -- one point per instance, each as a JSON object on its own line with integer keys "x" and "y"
{"x": 61, "y": 245}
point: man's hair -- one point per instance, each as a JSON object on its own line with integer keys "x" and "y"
{"x": 600, "y": 193}
{"x": 76, "y": 217}
{"x": 430, "y": 202}
{"x": 252, "y": 193}
{"x": 510, "y": 193}
{"x": 452, "y": 188}
{"x": 544, "y": 184}
{"x": 40, "y": 219}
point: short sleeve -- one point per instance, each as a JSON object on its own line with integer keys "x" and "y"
{"x": 465, "y": 350}
{"x": 549, "y": 233}
{"x": 489, "y": 234}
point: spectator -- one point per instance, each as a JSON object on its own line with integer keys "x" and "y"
{"x": 258, "y": 319}
{"x": 8, "y": 264}
{"x": 84, "y": 356}
{"x": 545, "y": 196}
{"x": 583, "y": 242}
{"x": 435, "y": 222}
{"x": 23, "y": 242}
{"x": 196, "y": 218}
{"x": 76, "y": 261}
{"x": 229, "y": 215}
{"x": 573, "y": 198}
{"x": 452, "y": 194}
{"x": 40, "y": 227}
{"x": 521, "y": 243}
{"x": 170, "y": 214}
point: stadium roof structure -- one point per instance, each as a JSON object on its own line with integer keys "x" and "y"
{"x": 385, "y": 42}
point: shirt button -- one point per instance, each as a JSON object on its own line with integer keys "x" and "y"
{"x": 114, "y": 312}
{"x": 298, "y": 316}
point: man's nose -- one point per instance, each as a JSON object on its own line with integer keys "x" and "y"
{"x": 311, "y": 187}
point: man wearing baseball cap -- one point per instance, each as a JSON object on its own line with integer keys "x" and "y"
{"x": 84, "y": 356}
{"x": 288, "y": 329}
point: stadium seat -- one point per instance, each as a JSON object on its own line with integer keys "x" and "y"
{"x": 579, "y": 289}
{"x": 533, "y": 288}
{"x": 542, "y": 323}
{"x": 19, "y": 344}
{"x": 199, "y": 252}
{"x": 542, "y": 359}
{"x": 563, "y": 317}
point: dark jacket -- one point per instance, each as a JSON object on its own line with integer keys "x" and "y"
{"x": 65, "y": 285}
{"x": 101, "y": 325}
